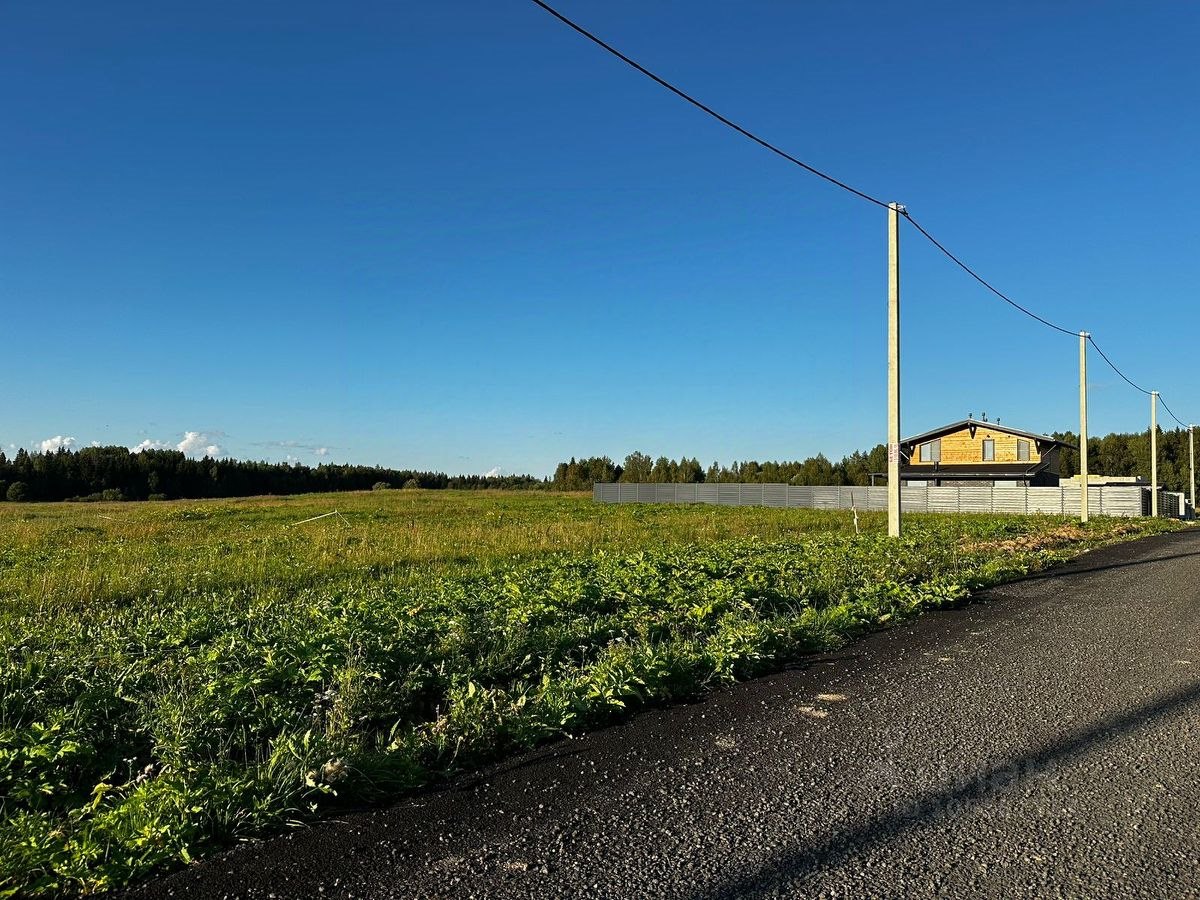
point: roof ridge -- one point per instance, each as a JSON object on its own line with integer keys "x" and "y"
{"x": 963, "y": 423}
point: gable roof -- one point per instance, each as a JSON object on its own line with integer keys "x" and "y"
{"x": 991, "y": 426}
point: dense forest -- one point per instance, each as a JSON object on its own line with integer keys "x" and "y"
{"x": 1114, "y": 454}
{"x": 116, "y": 473}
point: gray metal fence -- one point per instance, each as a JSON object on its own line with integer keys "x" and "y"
{"x": 1117, "y": 500}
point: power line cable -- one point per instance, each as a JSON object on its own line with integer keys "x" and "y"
{"x": 1034, "y": 315}
{"x": 834, "y": 181}
{"x": 1182, "y": 424}
{"x": 692, "y": 100}
{"x": 1135, "y": 386}
{"x": 962, "y": 265}
{"x": 696, "y": 103}
{"x": 1112, "y": 365}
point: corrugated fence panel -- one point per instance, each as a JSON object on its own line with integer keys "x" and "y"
{"x": 856, "y": 498}
{"x": 752, "y": 494}
{"x": 729, "y": 494}
{"x": 775, "y": 495}
{"x": 914, "y": 499}
{"x": 825, "y": 498}
{"x": 1050, "y": 500}
{"x": 1122, "y": 501}
{"x": 1009, "y": 499}
{"x": 975, "y": 499}
{"x": 1117, "y": 500}
{"x": 800, "y": 496}
{"x": 943, "y": 499}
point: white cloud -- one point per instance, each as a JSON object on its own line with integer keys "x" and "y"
{"x": 194, "y": 444}
{"x": 58, "y": 442}
{"x": 200, "y": 443}
{"x": 321, "y": 451}
{"x": 493, "y": 473}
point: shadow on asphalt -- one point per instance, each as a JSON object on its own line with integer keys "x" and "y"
{"x": 791, "y": 865}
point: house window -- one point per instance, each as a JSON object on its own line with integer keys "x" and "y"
{"x": 1022, "y": 451}
{"x": 989, "y": 450}
{"x": 932, "y": 451}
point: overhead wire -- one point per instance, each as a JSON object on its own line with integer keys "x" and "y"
{"x": 841, "y": 184}
{"x": 962, "y": 265}
{"x": 1112, "y": 365}
{"x": 712, "y": 112}
{"x": 1182, "y": 424}
{"x": 1137, "y": 387}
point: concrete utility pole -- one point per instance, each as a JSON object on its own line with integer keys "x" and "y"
{"x": 1192, "y": 465}
{"x": 1154, "y": 453}
{"x": 893, "y": 427}
{"x": 1084, "y": 493}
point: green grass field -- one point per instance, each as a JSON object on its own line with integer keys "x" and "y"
{"x": 181, "y": 675}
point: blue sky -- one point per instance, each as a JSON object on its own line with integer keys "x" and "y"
{"x": 458, "y": 236}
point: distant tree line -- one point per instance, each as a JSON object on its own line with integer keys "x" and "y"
{"x": 856, "y": 468}
{"x": 1114, "y": 454}
{"x": 116, "y": 473}
{"x": 1129, "y": 454}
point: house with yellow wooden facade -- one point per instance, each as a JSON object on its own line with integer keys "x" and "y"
{"x": 973, "y": 452}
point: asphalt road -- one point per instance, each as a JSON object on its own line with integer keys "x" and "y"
{"x": 1043, "y": 741}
